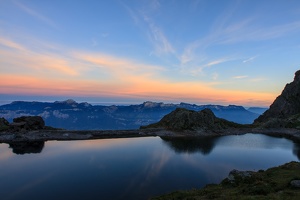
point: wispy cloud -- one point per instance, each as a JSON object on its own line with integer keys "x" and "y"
{"x": 194, "y": 71}
{"x": 134, "y": 15}
{"x": 188, "y": 54}
{"x": 254, "y": 33}
{"x": 154, "y": 4}
{"x": 19, "y": 57}
{"x": 11, "y": 44}
{"x": 240, "y": 77}
{"x": 104, "y": 35}
{"x": 94, "y": 42}
{"x": 35, "y": 14}
{"x": 157, "y": 37}
{"x": 125, "y": 76}
{"x": 215, "y": 76}
{"x": 249, "y": 59}
{"x": 226, "y": 31}
{"x": 159, "y": 40}
{"x": 216, "y": 62}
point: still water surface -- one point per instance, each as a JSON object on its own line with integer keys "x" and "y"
{"x": 132, "y": 168}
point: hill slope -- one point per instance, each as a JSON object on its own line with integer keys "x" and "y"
{"x": 183, "y": 119}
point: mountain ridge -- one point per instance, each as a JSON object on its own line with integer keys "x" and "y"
{"x": 72, "y": 115}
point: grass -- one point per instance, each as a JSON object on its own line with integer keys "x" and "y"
{"x": 4, "y": 128}
{"x": 273, "y": 183}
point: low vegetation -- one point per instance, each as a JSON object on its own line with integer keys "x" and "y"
{"x": 274, "y": 183}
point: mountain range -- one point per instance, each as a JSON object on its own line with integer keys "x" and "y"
{"x": 84, "y": 116}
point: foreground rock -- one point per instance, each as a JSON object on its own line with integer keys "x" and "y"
{"x": 285, "y": 110}
{"x": 188, "y": 120}
{"x": 275, "y": 183}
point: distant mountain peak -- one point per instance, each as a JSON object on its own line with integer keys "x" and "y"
{"x": 68, "y": 101}
{"x": 85, "y": 104}
{"x": 151, "y": 104}
{"x": 16, "y": 102}
{"x": 185, "y": 104}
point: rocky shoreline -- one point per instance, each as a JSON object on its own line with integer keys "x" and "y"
{"x": 47, "y": 135}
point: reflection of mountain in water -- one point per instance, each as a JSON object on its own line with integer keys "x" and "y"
{"x": 27, "y": 147}
{"x": 203, "y": 145}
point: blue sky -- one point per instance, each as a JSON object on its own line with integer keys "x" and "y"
{"x": 195, "y": 51}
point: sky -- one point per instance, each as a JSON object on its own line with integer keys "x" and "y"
{"x": 223, "y": 52}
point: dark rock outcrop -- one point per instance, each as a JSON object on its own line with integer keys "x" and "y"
{"x": 4, "y": 124}
{"x": 183, "y": 119}
{"x": 26, "y": 123}
{"x": 283, "y": 111}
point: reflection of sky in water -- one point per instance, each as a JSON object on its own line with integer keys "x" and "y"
{"x": 254, "y": 142}
{"x": 133, "y": 168}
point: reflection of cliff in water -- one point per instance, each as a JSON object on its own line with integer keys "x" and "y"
{"x": 203, "y": 145}
{"x": 296, "y": 150}
{"x": 27, "y": 147}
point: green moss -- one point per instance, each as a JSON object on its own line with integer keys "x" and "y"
{"x": 273, "y": 183}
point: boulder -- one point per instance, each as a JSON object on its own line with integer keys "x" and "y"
{"x": 295, "y": 183}
{"x": 236, "y": 175}
{"x": 27, "y": 123}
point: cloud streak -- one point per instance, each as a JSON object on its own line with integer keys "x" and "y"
{"x": 249, "y": 59}
{"x": 19, "y": 58}
{"x": 240, "y": 77}
{"x": 199, "y": 69}
{"x": 35, "y": 14}
{"x": 11, "y": 44}
{"x": 225, "y": 33}
{"x": 156, "y": 36}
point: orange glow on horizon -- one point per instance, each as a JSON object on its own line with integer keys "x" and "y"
{"x": 138, "y": 88}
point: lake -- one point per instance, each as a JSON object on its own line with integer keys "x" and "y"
{"x": 132, "y": 168}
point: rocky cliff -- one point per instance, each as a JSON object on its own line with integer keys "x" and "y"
{"x": 285, "y": 110}
{"x": 183, "y": 119}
